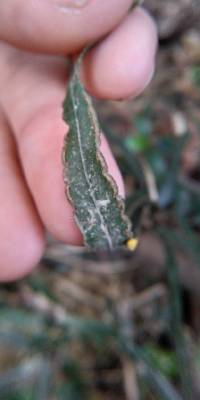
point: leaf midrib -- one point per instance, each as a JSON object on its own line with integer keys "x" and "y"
{"x": 103, "y": 224}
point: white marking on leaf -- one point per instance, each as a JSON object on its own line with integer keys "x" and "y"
{"x": 97, "y": 208}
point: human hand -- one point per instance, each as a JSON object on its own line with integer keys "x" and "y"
{"x": 35, "y": 37}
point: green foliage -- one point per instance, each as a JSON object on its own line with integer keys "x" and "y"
{"x": 75, "y": 388}
{"x": 195, "y": 74}
{"x": 20, "y": 396}
{"x": 180, "y": 201}
{"x": 182, "y": 356}
{"x": 163, "y": 360}
{"x": 138, "y": 143}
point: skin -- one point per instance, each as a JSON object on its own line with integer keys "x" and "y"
{"x": 33, "y": 77}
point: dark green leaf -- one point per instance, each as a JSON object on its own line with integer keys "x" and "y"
{"x": 98, "y": 209}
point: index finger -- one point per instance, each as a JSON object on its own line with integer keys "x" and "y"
{"x": 58, "y": 26}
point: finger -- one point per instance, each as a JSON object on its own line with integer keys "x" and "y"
{"x": 37, "y": 91}
{"x": 40, "y": 147}
{"x": 56, "y": 26}
{"x": 21, "y": 234}
{"x": 111, "y": 70}
{"x": 122, "y": 64}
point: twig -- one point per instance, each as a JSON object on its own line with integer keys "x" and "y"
{"x": 147, "y": 296}
{"x": 69, "y": 288}
{"x": 189, "y": 184}
{"x": 170, "y": 27}
{"x": 130, "y": 380}
{"x": 128, "y": 367}
{"x": 96, "y": 263}
{"x": 185, "y": 19}
{"x": 156, "y": 381}
{"x": 150, "y": 181}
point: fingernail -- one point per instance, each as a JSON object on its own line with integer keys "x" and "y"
{"x": 146, "y": 82}
{"x": 149, "y": 77}
{"x": 71, "y": 3}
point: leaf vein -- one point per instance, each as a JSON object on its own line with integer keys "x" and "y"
{"x": 95, "y": 201}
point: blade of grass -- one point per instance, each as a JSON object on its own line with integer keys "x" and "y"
{"x": 127, "y": 347}
{"x": 158, "y": 383}
{"x": 177, "y": 334}
{"x": 132, "y": 161}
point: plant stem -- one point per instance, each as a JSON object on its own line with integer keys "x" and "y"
{"x": 177, "y": 331}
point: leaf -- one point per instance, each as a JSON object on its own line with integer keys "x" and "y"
{"x": 98, "y": 209}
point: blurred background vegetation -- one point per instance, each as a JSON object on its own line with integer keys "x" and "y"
{"x": 84, "y": 326}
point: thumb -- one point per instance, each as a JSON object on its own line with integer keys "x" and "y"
{"x": 58, "y": 26}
